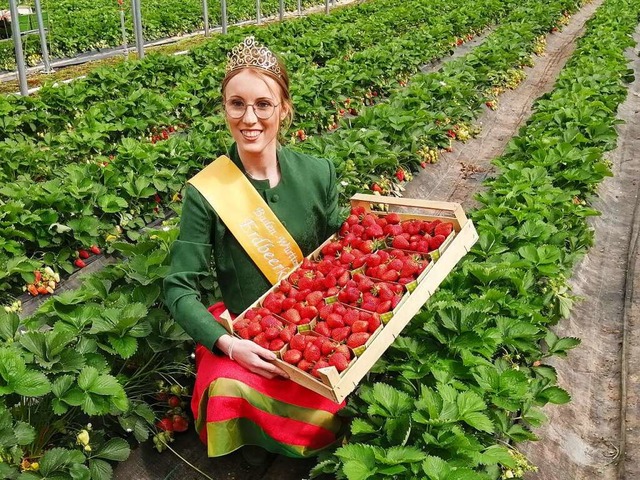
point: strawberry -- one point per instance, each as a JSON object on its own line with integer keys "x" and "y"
{"x": 83, "y": 254}
{"x": 435, "y": 242}
{"x": 350, "y": 317}
{"x": 292, "y": 315}
{"x": 322, "y": 329}
{"x": 179, "y": 423}
{"x": 311, "y": 353}
{"x": 393, "y": 218}
{"x": 327, "y": 347}
{"x": 292, "y": 356}
{"x": 269, "y": 321}
{"x": 271, "y": 333}
{"x": 173, "y": 401}
{"x": 344, "y": 350}
{"x": 165, "y": 424}
{"x": 383, "y": 307}
{"x": 319, "y": 364}
{"x": 339, "y": 361}
{"x": 443, "y": 229}
{"x": 244, "y": 333}
{"x": 356, "y": 340}
{"x": 273, "y": 303}
{"x": 254, "y": 329}
{"x": 261, "y": 340}
{"x": 400, "y": 242}
{"x": 79, "y": 263}
{"x": 374, "y": 322}
{"x": 334, "y": 321}
{"x": 341, "y": 333}
{"x": 376, "y": 188}
{"x": 304, "y": 365}
{"x": 285, "y": 335}
{"x": 314, "y": 298}
{"x": 298, "y": 342}
{"x": 360, "y": 326}
{"x": 42, "y": 290}
{"x": 276, "y": 344}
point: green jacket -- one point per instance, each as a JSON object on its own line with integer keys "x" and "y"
{"x": 306, "y": 202}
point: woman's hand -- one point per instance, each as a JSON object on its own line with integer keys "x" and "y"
{"x": 250, "y": 355}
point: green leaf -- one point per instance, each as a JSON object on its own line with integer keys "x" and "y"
{"x": 32, "y": 384}
{"x": 100, "y": 470}
{"x": 479, "y": 421}
{"x": 58, "y": 458}
{"x": 105, "y": 385}
{"x": 397, "y": 455}
{"x": 354, "y": 470}
{"x": 554, "y": 395}
{"x": 125, "y": 346}
{"x": 435, "y": 468}
{"x": 9, "y": 323}
{"x": 24, "y": 433}
{"x": 112, "y": 203}
{"x": 80, "y": 472}
{"x": 116, "y": 449}
{"x": 87, "y": 378}
{"x": 497, "y": 454}
{"x": 469, "y": 402}
{"x": 360, "y": 426}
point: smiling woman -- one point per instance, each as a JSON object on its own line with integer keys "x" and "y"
{"x": 256, "y": 213}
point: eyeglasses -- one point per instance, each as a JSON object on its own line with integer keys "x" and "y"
{"x": 237, "y": 108}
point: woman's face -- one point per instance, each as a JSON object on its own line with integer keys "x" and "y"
{"x": 254, "y": 135}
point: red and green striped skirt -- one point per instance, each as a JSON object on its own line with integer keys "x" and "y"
{"x": 233, "y": 407}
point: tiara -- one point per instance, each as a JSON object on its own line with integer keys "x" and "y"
{"x": 252, "y": 54}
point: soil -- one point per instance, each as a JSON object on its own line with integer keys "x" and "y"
{"x": 594, "y": 436}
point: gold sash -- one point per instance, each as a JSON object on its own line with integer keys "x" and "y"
{"x": 249, "y": 218}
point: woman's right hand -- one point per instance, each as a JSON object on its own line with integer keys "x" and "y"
{"x": 250, "y": 355}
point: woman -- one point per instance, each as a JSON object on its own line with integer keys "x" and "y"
{"x": 240, "y": 398}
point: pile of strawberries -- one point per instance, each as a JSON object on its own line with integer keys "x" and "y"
{"x": 327, "y": 310}
{"x": 85, "y": 253}
{"x": 44, "y": 282}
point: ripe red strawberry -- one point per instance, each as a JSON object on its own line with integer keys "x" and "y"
{"x": 244, "y": 333}
{"x": 334, "y": 321}
{"x": 261, "y": 340}
{"x": 179, "y": 423}
{"x": 83, "y": 254}
{"x": 304, "y": 365}
{"x": 374, "y": 231}
{"x": 360, "y": 326}
{"x": 350, "y": 317}
{"x": 271, "y": 333}
{"x": 276, "y": 344}
{"x": 173, "y": 401}
{"x": 314, "y": 298}
{"x": 79, "y": 263}
{"x": 311, "y": 353}
{"x": 344, "y": 350}
{"x": 435, "y": 242}
{"x": 374, "y": 322}
{"x": 339, "y": 361}
{"x": 273, "y": 303}
{"x": 356, "y": 340}
{"x": 443, "y": 229}
{"x": 393, "y": 218}
{"x": 322, "y": 329}
{"x": 165, "y": 424}
{"x": 327, "y": 347}
{"x": 270, "y": 321}
{"x": 95, "y": 250}
{"x": 251, "y": 314}
{"x": 284, "y": 286}
{"x": 400, "y": 242}
{"x": 390, "y": 276}
{"x": 298, "y": 342}
{"x": 292, "y": 315}
{"x": 292, "y": 356}
{"x": 319, "y": 364}
{"x": 383, "y": 307}
{"x": 285, "y": 335}
{"x": 340, "y": 334}
{"x": 288, "y": 303}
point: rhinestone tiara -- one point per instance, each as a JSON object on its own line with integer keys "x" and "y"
{"x": 249, "y": 53}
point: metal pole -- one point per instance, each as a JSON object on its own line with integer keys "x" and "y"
{"x": 281, "y": 9}
{"x": 224, "y": 16}
{"x": 137, "y": 26}
{"x": 258, "y": 19}
{"x": 43, "y": 39}
{"x": 123, "y": 28}
{"x": 326, "y": 6}
{"x": 17, "y": 45}
{"x": 205, "y": 14}
{"x": 299, "y": 7}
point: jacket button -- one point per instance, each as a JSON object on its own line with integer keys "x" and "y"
{"x": 275, "y": 198}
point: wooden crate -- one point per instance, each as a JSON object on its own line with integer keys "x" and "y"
{"x": 337, "y": 386}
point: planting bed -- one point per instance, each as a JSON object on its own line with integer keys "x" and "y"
{"x": 465, "y": 383}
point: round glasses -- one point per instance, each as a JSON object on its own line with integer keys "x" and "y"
{"x": 237, "y": 108}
